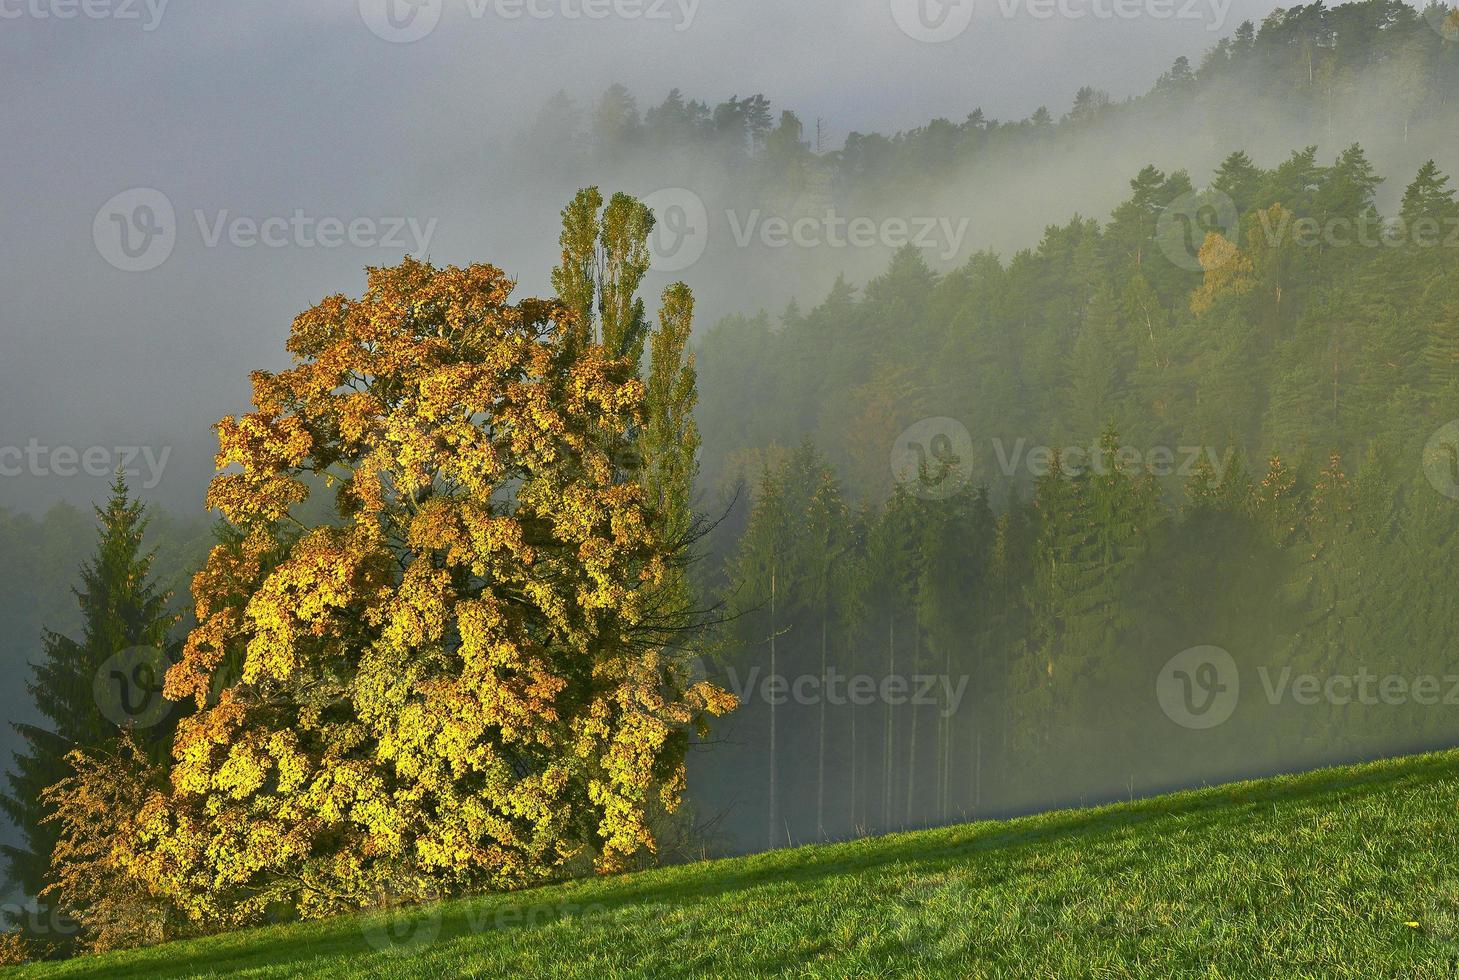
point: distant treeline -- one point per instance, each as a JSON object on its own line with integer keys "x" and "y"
{"x": 1261, "y": 463}
{"x": 1300, "y": 65}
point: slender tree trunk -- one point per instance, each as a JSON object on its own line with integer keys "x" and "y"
{"x": 1005, "y": 722}
{"x": 821, "y": 750}
{"x": 855, "y": 823}
{"x": 887, "y": 746}
{"x": 939, "y": 761}
{"x": 773, "y": 815}
{"x": 911, "y": 765}
{"x": 912, "y": 738}
{"x": 978, "y": 773}
{"x": 946, "y": 736}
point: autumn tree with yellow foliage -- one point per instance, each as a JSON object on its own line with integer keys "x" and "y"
{"x": 459, "y": 681}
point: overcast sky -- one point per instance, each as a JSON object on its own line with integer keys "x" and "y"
{"x": 334, "y": 109}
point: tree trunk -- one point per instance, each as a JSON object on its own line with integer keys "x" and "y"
{"x": 821, "y": 750}
{"x": 946, "y": 802}
{"x": 911, "y": 766}
{"x": 773, "y": 815}
{"x": 978, "y": 773}
{"x": 912, "y": 739}
{"x": 887, "y": 746}
{"x": 855, "y": 823}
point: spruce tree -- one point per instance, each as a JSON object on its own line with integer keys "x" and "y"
{"x": 1429, "y": 196}
{"x": 1239, "y": 179}
{"x": 122, "y": 610}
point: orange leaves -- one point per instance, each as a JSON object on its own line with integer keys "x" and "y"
{"x": 331, "y": 577}
{"x": 204, "y": 651}
{"x": 442, "y": 679}
{"x": 1228, "y": 270}
{"x": 420, "y": 608}
{"x": 263, "y": 444}
{"x": 245, "y": 500}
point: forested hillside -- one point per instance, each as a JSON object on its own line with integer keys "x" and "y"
{"x": 1218, "y": 417}
{"x": 1380, "y": 73}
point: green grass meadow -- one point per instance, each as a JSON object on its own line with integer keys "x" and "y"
{"x": 1348, "y": 872}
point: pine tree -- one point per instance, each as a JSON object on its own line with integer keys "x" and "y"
{"x": 825, "y": 532}
{"x": 1429, "y": 196}
{"x": 1098, "y": 362}
{"x": 122, "y": 610}
{"x": 755, "y": 583}
{"x": 1239, "y": 179}
{"x": 1348, "y": 188}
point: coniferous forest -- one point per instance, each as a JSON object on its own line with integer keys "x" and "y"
{"x": 1122, "y": 458}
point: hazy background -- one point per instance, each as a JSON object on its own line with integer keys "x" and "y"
{"x": 263, "y": 108}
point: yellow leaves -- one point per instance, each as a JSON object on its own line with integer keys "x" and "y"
{"x": 1227, "y": 271}
{"x": 204, "y": 651}
{"x": 244, "y": 769}
{"x": 101, "y": 812}
{"x": 293, "y": 766}
{"x": 422, "y": 603}
{"x": 714, "y": 700}
{"x": 308, "y": 596}
{"x": 468, "y": 536}
{"x": 243, "y": 499}
{"x": 439, "y": 682}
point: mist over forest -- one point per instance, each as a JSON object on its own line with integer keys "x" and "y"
{"x": 1056, "y": 454}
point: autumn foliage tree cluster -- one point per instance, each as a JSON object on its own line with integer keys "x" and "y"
{"x": 440, "y": 646}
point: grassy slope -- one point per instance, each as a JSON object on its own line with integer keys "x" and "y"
{"x": 1309, "y": 876}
